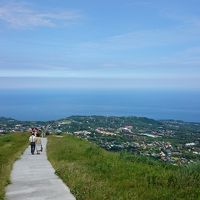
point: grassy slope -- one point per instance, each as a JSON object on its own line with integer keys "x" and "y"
{"x": 95, "y": 174}
{"x": 11, "y": 147}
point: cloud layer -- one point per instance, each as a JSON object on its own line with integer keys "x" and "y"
{"x": 99, "y": 83}
{"x": 23, "y": 16}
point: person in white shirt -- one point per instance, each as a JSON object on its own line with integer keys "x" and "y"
{"x": 32, "y": 139}
{"x": 38, "y": 143}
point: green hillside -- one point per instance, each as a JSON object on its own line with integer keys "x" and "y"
{"x": 11, "y": 146}
{"x": 95, "y": 174}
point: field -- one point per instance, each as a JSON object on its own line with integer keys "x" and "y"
{"x": 11, "y": 147}
{"x": 95, "y": 174}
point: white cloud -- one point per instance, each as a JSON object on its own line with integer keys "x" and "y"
{"x": 22, "y": 16}
{"x": 98, "y": 83}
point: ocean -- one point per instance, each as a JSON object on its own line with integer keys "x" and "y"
{"x": 56, "y": 104}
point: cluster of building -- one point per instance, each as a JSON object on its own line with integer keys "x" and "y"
{"x": 143, "y": 140}
{"x": 4, "y": 128}
{"x": 119, "y": 140}
{"x": 14, "y": 126}
{"x": 104, "y": 132}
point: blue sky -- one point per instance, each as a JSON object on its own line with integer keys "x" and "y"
{"x": 100, "y": 44}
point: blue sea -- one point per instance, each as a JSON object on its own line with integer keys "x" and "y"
{"x": 55, "y": 104}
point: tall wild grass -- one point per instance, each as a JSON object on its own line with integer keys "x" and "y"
{"x": 11, "y": 146}
{"x": 95, "y": 174}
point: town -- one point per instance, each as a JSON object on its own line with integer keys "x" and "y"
{"x": 170, "y": 141}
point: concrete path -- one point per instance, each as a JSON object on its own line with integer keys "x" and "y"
{"x": 33, "y": 178}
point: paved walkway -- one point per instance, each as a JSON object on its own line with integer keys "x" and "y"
{"x": 33, "y": 178}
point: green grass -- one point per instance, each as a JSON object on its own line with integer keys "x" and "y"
{"x": 95, "y": 174}
{"x": 11, "y": 146}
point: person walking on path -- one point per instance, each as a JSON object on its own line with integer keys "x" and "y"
{"x": 32, "y": 139}
{"x": 38, "y": 143}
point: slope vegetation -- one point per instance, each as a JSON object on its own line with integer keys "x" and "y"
{"x": 95, "y": 174}
{"x": 11, "y": 147}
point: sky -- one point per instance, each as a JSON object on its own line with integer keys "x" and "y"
{"x": 107, "y": 44}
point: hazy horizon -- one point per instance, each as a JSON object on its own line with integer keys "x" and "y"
{"x": 50, "y": 105}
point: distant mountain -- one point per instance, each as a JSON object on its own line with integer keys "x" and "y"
{"x": 6, "y": 119}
